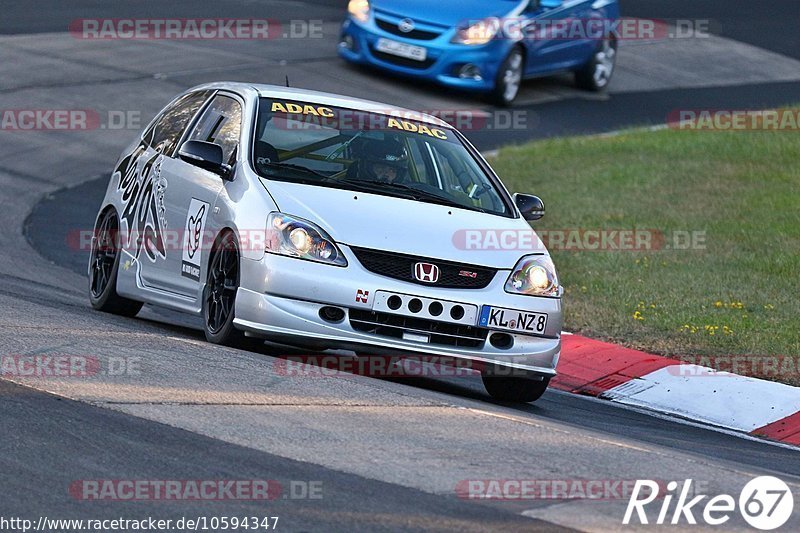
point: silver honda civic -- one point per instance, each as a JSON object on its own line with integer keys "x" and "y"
{"x": 326, "y": 222}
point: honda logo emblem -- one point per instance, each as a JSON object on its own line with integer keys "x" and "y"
{"x": 426, "y": 272}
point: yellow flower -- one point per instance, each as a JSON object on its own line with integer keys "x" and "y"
{"x": 718, "y": 304}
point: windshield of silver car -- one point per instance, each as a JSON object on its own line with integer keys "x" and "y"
{"x": 385, "y": 154}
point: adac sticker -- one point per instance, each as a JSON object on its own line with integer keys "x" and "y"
{"x": 417, "y": 128}
{"x": 305, "y": 109}
{"x": 193, "y": 240}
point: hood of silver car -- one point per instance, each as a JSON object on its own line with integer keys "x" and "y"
{"x": 407, "y": 226}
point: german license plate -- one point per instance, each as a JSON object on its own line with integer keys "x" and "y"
{"x": 394, "y": 48}
{"x": 513, "y": 320}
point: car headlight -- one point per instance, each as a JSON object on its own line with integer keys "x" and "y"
{"x": 359, "y": 10}
{"x": 480, "y": 32}
{"x": 534, "y": 275}
{"x": 295, "y": 237}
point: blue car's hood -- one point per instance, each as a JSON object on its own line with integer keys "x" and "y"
{"x": 446, "y": 12}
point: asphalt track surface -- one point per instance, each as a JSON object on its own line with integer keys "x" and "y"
{"x": 388, "y": 453}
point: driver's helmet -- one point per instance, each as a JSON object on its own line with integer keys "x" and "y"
{"x": 385, "y": 160}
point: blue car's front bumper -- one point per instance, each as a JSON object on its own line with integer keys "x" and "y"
{"x": 444, "y": 59}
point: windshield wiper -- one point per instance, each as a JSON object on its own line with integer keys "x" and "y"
{"x": 413, "y": 192}
{"x": 421, "y": 193}
{"x": 301, "y": 168}
{"x": 367, "y": 186}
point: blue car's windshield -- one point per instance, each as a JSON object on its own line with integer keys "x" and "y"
{"x": 371, "y": 152}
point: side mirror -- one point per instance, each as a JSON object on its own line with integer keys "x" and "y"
{"x": 205, "y": 155}
{"x": 531, "y": 207}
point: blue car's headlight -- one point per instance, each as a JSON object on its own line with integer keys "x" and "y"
{"x": 534, "y": 275}
{"x": 295, "y": 237}
{"x": 359, "y": 10}
{"x": 477, "y": 32}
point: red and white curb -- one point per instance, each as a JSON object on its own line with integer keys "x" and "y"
{"x": 631, "y": 377}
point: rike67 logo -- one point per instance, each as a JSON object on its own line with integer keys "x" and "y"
{"x": 765, "y": 503}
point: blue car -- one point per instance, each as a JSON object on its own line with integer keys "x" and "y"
{"x": 485, "y": 46}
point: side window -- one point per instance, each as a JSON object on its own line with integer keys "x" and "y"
{"x": 220, "y": 123}
{"x": 167, "y": 130}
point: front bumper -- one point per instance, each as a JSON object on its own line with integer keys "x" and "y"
{"x": 280, "y": 299}
{"x": 444, "y": 59}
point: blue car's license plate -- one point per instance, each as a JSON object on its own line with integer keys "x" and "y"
{"x": 387, "y": 46}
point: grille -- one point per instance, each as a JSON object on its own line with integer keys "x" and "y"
{"x": 400, "y": 266}
{"x": 392, "y": 28}
{"x": 402, "y": 61}
{"x": 389, "y": 325}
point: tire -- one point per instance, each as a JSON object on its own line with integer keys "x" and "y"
{"x": 596, "y": 74}
{"x": 103, "y": 267}
{"x": 509, "y": 79}
{"x": 514, "y": 389}
{"x": 219, "y": 296}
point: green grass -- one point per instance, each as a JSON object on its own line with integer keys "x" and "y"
{"x": 741, "y": 188}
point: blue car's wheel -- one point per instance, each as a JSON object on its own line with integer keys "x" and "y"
{"x": 596, "y": 74}
{"x": 509, "y": 78}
